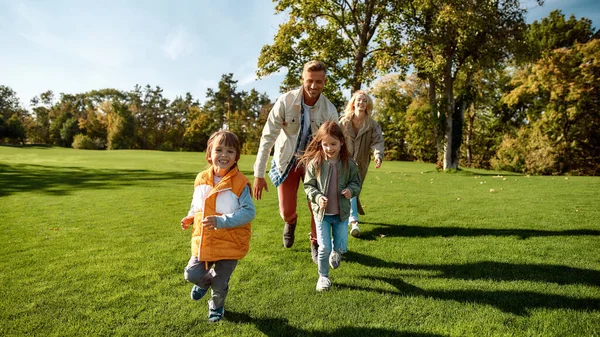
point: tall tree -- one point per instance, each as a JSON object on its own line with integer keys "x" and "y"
{"x": 447, "y": 41}
{"x": 554, "y": 32}
{"x": 569, "y": 79}
{"x": 12, "y": 116}
{"x": 338, "y": 32}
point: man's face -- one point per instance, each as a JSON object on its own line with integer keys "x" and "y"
{"x": 313, "y": 83}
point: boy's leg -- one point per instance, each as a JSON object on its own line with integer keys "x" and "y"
{"x": 220, "y": 282}
{"x": 197, "y": 273}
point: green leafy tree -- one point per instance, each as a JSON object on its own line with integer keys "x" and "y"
{"x": 554, "y": 32}
{"x": 120, "y": 125}
{"x": 12, "y": 116}
{"x": 569, "y": 79}
{"x": 39, "y": 130}
{"x": 339, "y": 33}
{"x": 447, "y": 41}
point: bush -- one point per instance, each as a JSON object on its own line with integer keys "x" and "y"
{"x": 166, "y": 146}
{"x": 510, "y": 155}
{"x": 83, "y": 142}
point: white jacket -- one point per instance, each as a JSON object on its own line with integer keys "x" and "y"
{"x": 283, "y": 127}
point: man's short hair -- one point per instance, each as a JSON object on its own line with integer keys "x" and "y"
{"x": 315, "y": 65}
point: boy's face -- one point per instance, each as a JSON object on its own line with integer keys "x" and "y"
{"x": 222, "y": 158}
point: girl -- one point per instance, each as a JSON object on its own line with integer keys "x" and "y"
{"x": 362, "y": 134}
{"x": 221, "y": 212}
{"x": 331, "y": 179}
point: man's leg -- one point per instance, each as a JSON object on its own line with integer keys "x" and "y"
{"x": 288, "y": 198}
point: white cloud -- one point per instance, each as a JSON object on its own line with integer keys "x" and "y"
{"x": 178, "y": 43}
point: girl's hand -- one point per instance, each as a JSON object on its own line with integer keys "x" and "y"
{"x": 322, "y": 202}
{"x": 377, "y": 163}
{"x": 347, "y": 193}
{"x": 210, "y": 222}
{"x": 186, "y": 222}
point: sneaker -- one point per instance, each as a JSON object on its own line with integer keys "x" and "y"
{"x": 215, "y": 315}
{"x": 314, "y": 252}
{"x": 334, "y": 259}
{"x": 288, "y": 235}
{"x": 323, "y": 284}
{"x": 355, "y": 231}
{"x": 197, "y": 292}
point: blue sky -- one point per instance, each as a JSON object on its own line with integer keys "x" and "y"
{"x": 74, "y": 46}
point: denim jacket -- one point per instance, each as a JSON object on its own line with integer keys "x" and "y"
{"x": 316, "y": 186}
{"x": 282, "y": 129}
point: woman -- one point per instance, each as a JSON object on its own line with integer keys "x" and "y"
{"x": 362, "y": 134}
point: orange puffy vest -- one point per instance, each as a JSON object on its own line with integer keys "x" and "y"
{"x": 223, "y": 243}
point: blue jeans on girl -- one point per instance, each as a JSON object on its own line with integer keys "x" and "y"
{"x": 332, "y": 233}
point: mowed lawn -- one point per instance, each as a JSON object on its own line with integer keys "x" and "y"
{"x": 91, "y": 245}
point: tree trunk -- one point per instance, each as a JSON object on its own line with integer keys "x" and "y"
{"x": 450, "y": 106}
{"x": 436, "y": 117}
{"x": 470, "y": 122}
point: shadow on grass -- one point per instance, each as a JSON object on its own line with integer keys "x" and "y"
{"x": 281, "y": 327}
{"x": 515, "y": 302}
{"x": 394, "y": 230}
{"x": 63, "y": 180}
{"x": 488, "y": 270}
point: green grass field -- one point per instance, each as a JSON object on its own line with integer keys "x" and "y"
{"x": 91, "y": 245}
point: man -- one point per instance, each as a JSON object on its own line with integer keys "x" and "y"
{"x": 292, "y": 121}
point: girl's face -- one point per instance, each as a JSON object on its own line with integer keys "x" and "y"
{"x": 222, "y": 158}
{"x": 360, "y": 104}
{"x": 331, "y": 147}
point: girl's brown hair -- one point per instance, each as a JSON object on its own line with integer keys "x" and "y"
{"x": 223, "y": 138}
{"x": 314, "y": 151}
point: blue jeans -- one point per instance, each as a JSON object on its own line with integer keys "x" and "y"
{"x": 332, "y": 225}
{"x": 353, "y": 210}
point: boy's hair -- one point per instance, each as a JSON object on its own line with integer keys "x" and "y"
{"x": 315, "y": 65}
{"x": 349, "y": 110}
{"x": 223, "y": 137}
{"x": 314, "y": 151}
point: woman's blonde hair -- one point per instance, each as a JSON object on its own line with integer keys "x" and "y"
{"x": 314, "y": 151}
{"x": 349, "y": 110}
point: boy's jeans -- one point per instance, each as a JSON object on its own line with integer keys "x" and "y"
{"x": 332, "y": 225}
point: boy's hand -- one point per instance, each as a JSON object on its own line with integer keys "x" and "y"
{"x": 377, "y": 163}
{"x": 186, "y": 222}
{"x": 210, "y": 222}
{"x": 322, "y": 202}
{"x": 347, "y": 193}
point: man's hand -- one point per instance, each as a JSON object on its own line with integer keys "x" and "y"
{"x": 259, "y": 184}
{"x": 377, "y": 163}
{"x": 347, "y": 193}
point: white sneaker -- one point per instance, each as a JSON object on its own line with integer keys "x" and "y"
{"x": 323, "y": 283}
{"x": 355, "y": 231}
{"x": 334, "y": 259}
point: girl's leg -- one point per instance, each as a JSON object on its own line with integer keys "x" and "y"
{"x": 220, "y": 283}
{"x": 324, "y": 239}
{"x": 353, "y": 210}
{"x": 197, "y": 273}
{"x": 340, "y": 235}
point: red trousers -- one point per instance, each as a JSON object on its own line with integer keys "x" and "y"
{"x": 288, "y": 199}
